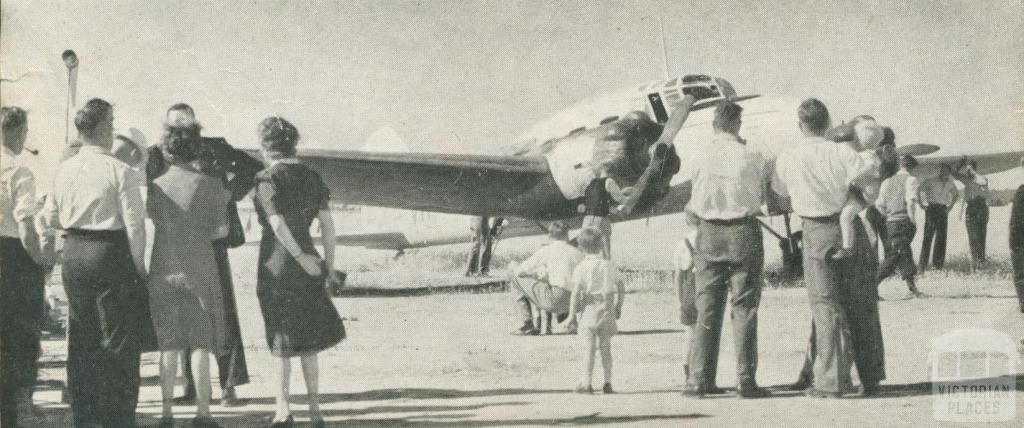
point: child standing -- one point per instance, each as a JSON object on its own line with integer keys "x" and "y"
{"x": 595, "y": 287}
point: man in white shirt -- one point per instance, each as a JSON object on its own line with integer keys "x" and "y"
{"x": 21, "y": 271}
{"x": 898, "y": 202}
{"x": 938, "y": 194}
{"x": 729, "y": 180}
{"x": 816, "y": 175}
{"x": 976, "y": 219}
{"x": 544, "y": 281}
{"x": 98, "y": 203}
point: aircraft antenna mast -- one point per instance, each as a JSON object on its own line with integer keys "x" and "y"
{"x": 664, "y": 48}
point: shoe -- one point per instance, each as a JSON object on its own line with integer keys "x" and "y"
{"x": 166, "y": 422}
{"x": 204, "y": 422}
{"x": 287, "y": 423}
{"x": 317, "y": 423}
{"x": 185, "y": 400}
{"x": 869, "y": 390}
{"x": 714, "y": 390}
{"x": 562, "y": 317}
{"x": 802, "y": 383}
{"x": 751, "y": 390}
{"x": 526, "y": 332}
{"x": 229, "y": 399}
{"x": 694, "y": 391}
{"x": 817, "y": 393}
{"x": 547, "y": 330}
{"x": 842, "y": 253}
{"x": 607, "y": 388}
{"x": 580, "y": 389}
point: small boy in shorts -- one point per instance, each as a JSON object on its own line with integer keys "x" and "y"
{"x": 598, "y": 294}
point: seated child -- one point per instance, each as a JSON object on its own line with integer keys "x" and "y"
{"x": 862, "y": 135}
{"x": 596, "y": 284}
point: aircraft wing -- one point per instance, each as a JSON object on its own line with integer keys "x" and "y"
{"x": 989, "y": 163}
{"x": 437, "y": 182}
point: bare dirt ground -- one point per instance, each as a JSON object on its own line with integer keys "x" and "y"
{"x": 448, "y": 360}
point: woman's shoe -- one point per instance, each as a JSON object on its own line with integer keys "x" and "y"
{"x": 287, "y": 423}
{"x": 584, "y": 389}
{"x": 607, "y": 389}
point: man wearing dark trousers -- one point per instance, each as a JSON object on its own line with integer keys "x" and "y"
{"x": 898, "y": 201}
{"x": 728, "y": 191}
{"x": 816, "y": 175}
{"x": 938, "y": 194}
{"x": 237, "y": 170}
{"x": 976, "y": 217}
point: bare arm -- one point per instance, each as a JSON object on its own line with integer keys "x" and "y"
{"x": 328, "y": 236}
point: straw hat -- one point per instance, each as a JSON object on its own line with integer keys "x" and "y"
{"x": 130, "y": 147}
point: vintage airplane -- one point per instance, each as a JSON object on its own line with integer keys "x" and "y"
{"x": 541, "y": 177}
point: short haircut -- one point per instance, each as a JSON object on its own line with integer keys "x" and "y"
{"x": 814, "y": 115}
{"x": 888, "y": 136}
{"x": 182, "y": 143}
{"x": 91, "y": 115}
{"x": 182, "y": 107}
{"x": 13, "y": 118}
{"x": 590, "y": 241}
{"x": 842, "y": 133}
{"x": 862, "y": 117}
{"x": 908, "y": 162}
{"x": 278, "y": 135}
{"x": 558, "y": 230}
{"x": 726, "y": 114}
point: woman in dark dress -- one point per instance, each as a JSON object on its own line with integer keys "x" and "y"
{"x": 298, "y": 314}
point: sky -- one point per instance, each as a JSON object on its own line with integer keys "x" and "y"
{"x": 469, "y": 76}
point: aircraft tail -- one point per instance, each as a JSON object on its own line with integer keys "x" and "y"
{"x": 385, "y": 139}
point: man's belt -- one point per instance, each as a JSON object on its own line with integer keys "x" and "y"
{"x": 833, "y": 218}
{"x": 729, "y": 222}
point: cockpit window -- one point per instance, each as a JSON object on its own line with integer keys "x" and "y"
{"x": 694, "y": 78}
{"x": 702, "y": 92}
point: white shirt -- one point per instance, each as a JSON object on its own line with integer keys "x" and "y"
{"x": 95, "y": 191}
{"x": 897, "y": 193}
{"x": 938, "y": 191}
{"x": 817, "y": 175}
{"x": 728, "y": 179}
{"x": 554, "y": 263}
{"x": 17, "y": 194}
{"x": 595, "y": 275}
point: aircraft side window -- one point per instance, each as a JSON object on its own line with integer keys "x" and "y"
{"x": 609, "y": 119}
{"x": 578, "y": 130}
{"x": 702, "y": 92}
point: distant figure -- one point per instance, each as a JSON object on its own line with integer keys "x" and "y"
{"x": 898, "y": 202}
{"x": 485, "y": 231}
{"x": 98, "y": 204}
{"x": 1017, "y": 241}
{"x": 543, "y": 281}
{"x": 187, "y": 209}
{"x": 938, "y": 194}
{"x": 729, "y": 183}
{"x": 816, "y": 174}
{"x": 236, "y": 170}
{"x": 22, "y": 263}
{"x": 298, "y": 314}
{"x": 976, "y": 219}
{"x": 598, "y": 294}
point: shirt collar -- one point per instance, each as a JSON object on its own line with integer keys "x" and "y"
{"x": 7, "y": 153}
{"x": 902, "y": 172}
{"x": 286, "y": 161}
{"x": 594, "y": 256}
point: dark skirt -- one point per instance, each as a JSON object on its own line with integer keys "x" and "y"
{"x": 21, "y": 308}
{"x": 298, "y": 314}
{"x": 109, "y": 327}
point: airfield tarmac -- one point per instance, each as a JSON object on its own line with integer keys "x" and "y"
{"x": 448, "y": 360}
